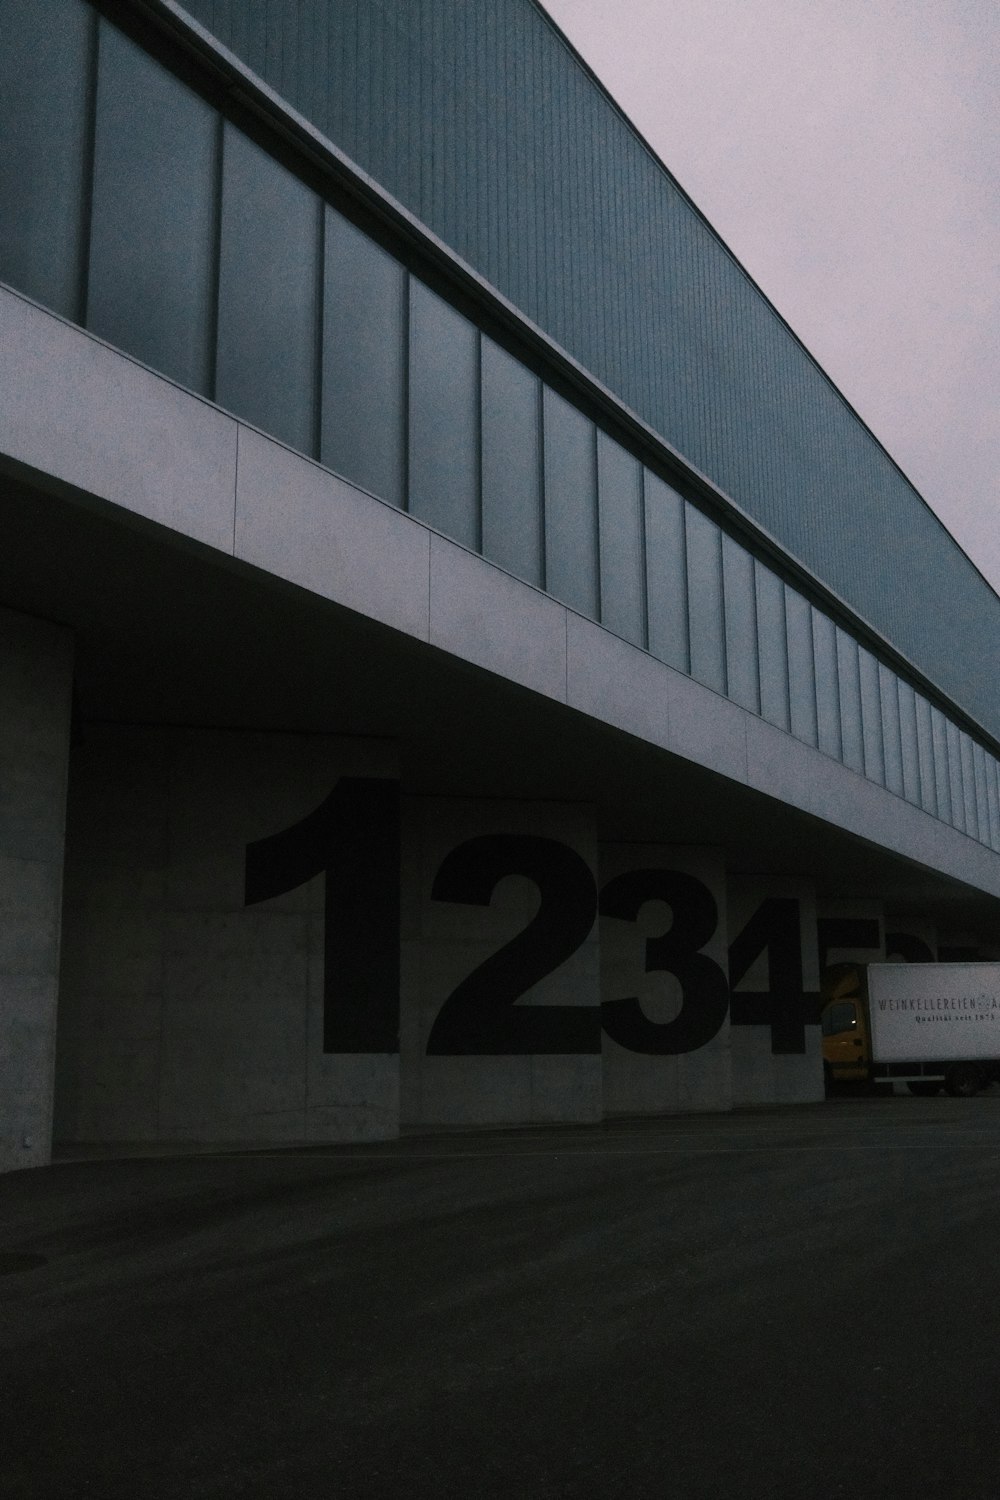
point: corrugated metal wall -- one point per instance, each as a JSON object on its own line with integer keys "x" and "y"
{"x": 478, "y": 117}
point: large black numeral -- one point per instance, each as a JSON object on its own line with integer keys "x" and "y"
{"x": 353, "y": 837}
{"x": 912, "y": 950}
{"x": 774, "y": 929}
{"x": 480, "y": 1016}
{"x": 845, "y": 932}
{"x": 704, "y": 991}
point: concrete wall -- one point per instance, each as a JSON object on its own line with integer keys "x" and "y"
{"x": 263, "y": 941}
{"x": 189, "y": 1014}
{"x": 36, "y": 665}
{"x": 241, "y": 964}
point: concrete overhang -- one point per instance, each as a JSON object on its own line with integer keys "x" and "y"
{"x": 214, "y": 577}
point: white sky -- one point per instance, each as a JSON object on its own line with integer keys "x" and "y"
{"x": 848, "y": 152}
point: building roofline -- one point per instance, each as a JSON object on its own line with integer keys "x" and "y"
{"x": 661, "y": 165}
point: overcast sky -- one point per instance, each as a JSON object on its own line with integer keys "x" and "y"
{"x": 848, "y": 152}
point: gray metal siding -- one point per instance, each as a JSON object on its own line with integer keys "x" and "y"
{"x": 320, "y": 336}
{"x": 480, "y": 119}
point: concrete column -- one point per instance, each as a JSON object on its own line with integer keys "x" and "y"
{"x": 36, "y": 666}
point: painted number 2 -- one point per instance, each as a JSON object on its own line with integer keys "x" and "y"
{"x": 480, "y": 1016}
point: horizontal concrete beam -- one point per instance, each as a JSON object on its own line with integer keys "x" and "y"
{"x": 75, "y": 410}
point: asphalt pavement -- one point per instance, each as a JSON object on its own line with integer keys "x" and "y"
{"x": 782, "y": 1303}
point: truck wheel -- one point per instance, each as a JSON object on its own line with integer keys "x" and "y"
{"x": 963, "y": 1081}
{"x": 924, "y": 1090}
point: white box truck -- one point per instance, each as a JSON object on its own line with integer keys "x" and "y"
{"x": 926, "y": 1025}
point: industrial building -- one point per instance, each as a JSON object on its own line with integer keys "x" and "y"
{"x": 461, "y": 660}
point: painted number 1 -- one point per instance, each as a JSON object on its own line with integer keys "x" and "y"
{"x": 352, "y": 839}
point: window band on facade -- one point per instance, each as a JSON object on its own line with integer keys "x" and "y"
{"x": 93, "y": 65}
{"x": 318, "y": 346}
{"x": 211, "y": 373}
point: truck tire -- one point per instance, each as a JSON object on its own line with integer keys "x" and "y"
{"x": 924, "y": 1090}
{"x": 963, "y": 1080}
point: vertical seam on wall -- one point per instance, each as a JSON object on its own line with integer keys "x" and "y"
{"x": 171, "y": 743}
{"x": 597, "y": 523}
{"x": 899, "y": 733}
{"x": 212, "y": 353}
{"x": 317, "y": 435}
{"x": 89, "y": 151}
{"x": 478, "y": 442}
{"x": 236, "y": 483}
{"x": 543, "y": 562}
{"x": 430, "y": 554}
{"x": 949, "y": 776}
{"x": 815, "y": 694}
{"x": 956, "y": 759}
{"x": 722, "y": 616}
{"x": 643, "y": 577}
{"x": 685, "y": 585}
{"x": 839, "y": 701}
{"x": 987, "y": 787}
{"x": 307, "y": 918}
{"x": 788, "y": 673}
{"x": 982, "y": 795}
{"x": 404, "y": 498}
{"x": 938, "y": 763}
{"x": 977, "y": 789}
{"x": 756, "y": 638}
{"x": 973, "y": 789}
{"x": 936, "y": 768}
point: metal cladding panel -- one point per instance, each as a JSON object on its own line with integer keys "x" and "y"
{"x": 478, "y": 117}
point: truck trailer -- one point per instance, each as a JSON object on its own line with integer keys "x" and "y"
{"x": 930, "y": 1026}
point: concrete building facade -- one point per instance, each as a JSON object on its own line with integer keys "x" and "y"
{"x": 453, "y": 666}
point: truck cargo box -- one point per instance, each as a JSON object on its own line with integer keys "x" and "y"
{"x": 934, "y": 1012}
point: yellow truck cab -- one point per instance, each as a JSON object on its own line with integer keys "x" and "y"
{"x": 844, "y": 1021}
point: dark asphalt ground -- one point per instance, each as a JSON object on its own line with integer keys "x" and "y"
{"x": 786, "y": 1303}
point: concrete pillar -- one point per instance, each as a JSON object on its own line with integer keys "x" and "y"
{"x": 36, "y": 665}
